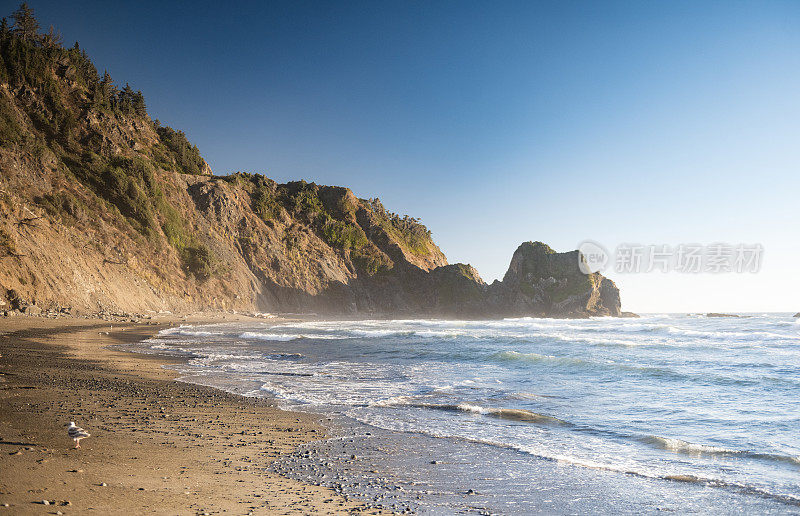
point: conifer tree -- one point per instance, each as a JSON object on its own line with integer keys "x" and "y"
{"x": 126, "y": 99}
{"x": 25, "y": 24}
{"x": 138, "y": 104}
{"x": 105, "y": 92}
{"x": 4, "y": 30}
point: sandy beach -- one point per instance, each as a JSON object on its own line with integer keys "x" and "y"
{"x": 157, "y": 446}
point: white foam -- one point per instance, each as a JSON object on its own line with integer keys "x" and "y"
{"x": 477, "y": 409}
{"x": 189, "y": 331}
{"x": 283, "y": 337}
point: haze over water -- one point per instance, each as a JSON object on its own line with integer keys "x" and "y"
{"x": 667, "y": 411}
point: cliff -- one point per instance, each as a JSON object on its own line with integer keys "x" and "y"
{"x": 539, "y": 279}
{"x": 539, "y": 282}
{"x": 104, "y": 209}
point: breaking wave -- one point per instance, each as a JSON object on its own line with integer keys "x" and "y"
{"x": 692, "y": 449}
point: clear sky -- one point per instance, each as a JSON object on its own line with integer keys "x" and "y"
{"x": 497, "y": 122}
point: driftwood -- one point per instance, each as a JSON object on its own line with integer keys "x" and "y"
{"x": 27, "y": 221}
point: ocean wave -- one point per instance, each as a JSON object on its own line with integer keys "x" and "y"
{"x": 381, "y": 333}
{"x": 693, "y": 449}
{"x": 284, "y": 356}
{"x": 394, "y": 401}
{"x": 603, "y": 331}
{"x": 160, "y": 348}
{"x": 526, "y": 416}
{"x": 189, "y": 331}
{"x": 509, "y": 414}
{"x": 654, "y": 371}
{"x": 516, "y": 356}
{"x": 658, "y": 372}
{"x": 268, "y": 336}
{"x": 679, "y": 446}
{"x": 754, "y": 335}
{"x": 785, "y": 498}
{"x": 282, "y": 337}
{"x": 630, "y": 328}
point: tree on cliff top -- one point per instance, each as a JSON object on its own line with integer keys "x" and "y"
{"x": 25, "y": 24}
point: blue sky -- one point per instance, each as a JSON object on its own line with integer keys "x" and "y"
{"x": 497, "y": 122}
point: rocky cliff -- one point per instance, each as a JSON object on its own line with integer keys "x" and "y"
{"x": 539, "y": 282}
{"x": 104, "y": 209}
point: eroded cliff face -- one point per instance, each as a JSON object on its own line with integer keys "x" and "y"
{"x": 84, "y": 255}
{"x": 104, "y": 209}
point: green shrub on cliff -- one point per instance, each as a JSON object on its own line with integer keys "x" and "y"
{"x": 196, "y": 258}
{"x": 407, "y": 230}
{"x": 343, "y": 235}
{"x": 186, "y": 155}
{"x": 302, "y": 200}
{"x": 264, "y": 203}
{"x": 128, "y": 195}
{"x": 199, "y": 260}
{"x": 64, "y": 206}
{"x": 10, "y": 131}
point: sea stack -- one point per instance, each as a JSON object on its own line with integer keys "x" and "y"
{"x": 540, "y": 281}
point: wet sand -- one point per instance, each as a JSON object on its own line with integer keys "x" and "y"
{"x": 158, "y": 446}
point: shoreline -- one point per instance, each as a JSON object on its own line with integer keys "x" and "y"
{"x": 158, "y": 445}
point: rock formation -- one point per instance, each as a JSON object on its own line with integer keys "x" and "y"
{"x": 539, "y": 282}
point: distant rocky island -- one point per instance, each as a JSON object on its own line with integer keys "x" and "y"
{"x": 103, "y": 209}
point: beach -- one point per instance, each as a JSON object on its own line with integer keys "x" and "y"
{"x": 157, "y": 446}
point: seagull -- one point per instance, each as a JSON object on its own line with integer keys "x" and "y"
{"x": 77, "y": 433}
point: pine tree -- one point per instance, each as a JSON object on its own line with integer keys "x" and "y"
{"x": 25, "y": 24}
{"x": 138, "y": 104}
{"x": 105, "y": 92}
{"x": 106, "y": 86}
{"x": 4, "y": 30}
{"x": 125, "y": 100}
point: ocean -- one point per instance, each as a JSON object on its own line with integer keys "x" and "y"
{"x": 676, "y": 413}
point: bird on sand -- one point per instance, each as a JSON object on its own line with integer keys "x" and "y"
{"x": 77, "y": 433}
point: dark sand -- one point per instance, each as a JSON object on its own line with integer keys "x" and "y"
{"x": 158, "y": 446}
